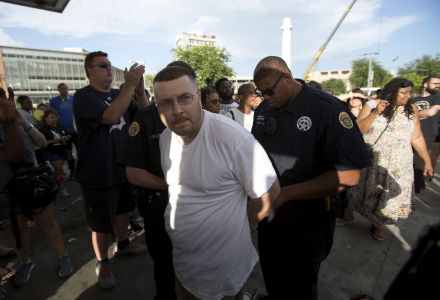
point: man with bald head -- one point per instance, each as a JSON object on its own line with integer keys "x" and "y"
{"x": 317, "y": 150}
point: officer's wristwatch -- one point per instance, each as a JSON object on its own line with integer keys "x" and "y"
{"x": 29, "y": 128}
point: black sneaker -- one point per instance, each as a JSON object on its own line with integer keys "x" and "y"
{"x": 23, "y": 274}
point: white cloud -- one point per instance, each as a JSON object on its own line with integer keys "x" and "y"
{"x": 7, "y": 40}
{"x": 248, "y": 29}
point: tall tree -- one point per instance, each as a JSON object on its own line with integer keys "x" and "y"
{"x": 359, "y": 74}
{"x": 420, "y": 68}
{"x": 336, "y": 85}
{"x": 209, "y": 62}
{"x": 149, "y": 82}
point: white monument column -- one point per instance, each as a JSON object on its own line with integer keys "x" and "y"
{"x": 286, "y": 52}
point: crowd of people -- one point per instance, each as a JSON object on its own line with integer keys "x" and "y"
{"x": 205, "y": 169}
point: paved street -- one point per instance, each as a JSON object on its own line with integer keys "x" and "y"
{"x": 356, "y": 264}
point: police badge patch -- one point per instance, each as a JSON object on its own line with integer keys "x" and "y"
{"x": 134, "y": 129}
{"x": 345, "y": 120}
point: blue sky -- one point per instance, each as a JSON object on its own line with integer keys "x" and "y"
{"x": 145, "y": 30}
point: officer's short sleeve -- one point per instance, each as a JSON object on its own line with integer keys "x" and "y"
{"x": 344, "y": 147}
{"x": 136, "y": 149}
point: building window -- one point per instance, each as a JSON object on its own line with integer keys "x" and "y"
{"x": 324, "y": 73}
{"x": 335, "y": 72}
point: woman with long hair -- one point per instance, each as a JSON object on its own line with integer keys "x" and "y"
{"x": 391, "y": 128}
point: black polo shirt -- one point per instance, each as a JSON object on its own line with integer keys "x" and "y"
{"x": 142, "y": 149}
{"x": 311, "y": 134}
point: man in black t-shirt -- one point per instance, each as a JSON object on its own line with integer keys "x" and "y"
{"x": 428, "y": 105}
{"x": 225, "y": 90}
{"x": 101, "y": 115}
{"x": 317, "y": 150}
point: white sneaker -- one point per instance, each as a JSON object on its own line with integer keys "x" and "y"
{"x": 131, "y": 249}
{"x": 64, "y": 193}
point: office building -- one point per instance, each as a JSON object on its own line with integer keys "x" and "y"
{"x": 195, "y": 38}
{"x": 37, "y": 72}
{"x": 323, "y": 75}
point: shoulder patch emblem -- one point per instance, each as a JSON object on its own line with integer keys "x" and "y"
{"x": 345, "y": 120}
{"x": 134, "y": 129}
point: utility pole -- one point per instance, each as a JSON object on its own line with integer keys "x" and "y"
{"x": 286, "y": 29}
{"x": 370, "y": 71}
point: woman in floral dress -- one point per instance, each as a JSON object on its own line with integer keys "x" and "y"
{"x": 391, "y": 127}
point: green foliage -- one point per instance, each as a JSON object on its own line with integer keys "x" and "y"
{"x": 420, "y": 68}
{"x": 336, "y": 85}
{"x": 415, "y": 78}
{"x": 149, "y": 82}
{"x": 359, "y": 75}
{"x": 209, "y": 62}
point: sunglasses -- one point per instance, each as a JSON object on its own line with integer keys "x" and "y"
{"x": 406, "y": 83}
{"x": 270, "y": 91}
{"x": 102, "y": 66}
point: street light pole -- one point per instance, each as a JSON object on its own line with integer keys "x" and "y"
{"x": 370, "y": 71}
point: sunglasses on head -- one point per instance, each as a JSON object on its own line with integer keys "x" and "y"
{"x": 270, "y": 91}
{"x": 103, "y": 65}
{"x": 406, "y": 83}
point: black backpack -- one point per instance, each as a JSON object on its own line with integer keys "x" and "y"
{"x": 33, "y": 188}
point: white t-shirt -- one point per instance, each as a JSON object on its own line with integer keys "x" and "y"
{"x": 372, "y": 103}
{"x": 27, "y": 116}
{"x": 224, "y": 108}
{"x": 244, "y": 120}
{"x": 209, "y": 183}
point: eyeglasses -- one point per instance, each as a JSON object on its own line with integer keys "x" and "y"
{"x": 102, "y": 66}
{"x": 184, "y": 99}
{"x": 407, "y": 94}
{"x": 270, "y": 91}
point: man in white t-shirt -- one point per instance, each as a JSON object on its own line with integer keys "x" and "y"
{"x": 244, "y": 113}
{"x": 212, "y": 166}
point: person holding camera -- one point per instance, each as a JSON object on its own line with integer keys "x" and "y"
{"x": 56, "y": 150}
{"x": 39, "y": 209}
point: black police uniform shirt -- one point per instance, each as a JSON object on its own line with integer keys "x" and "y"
{"x": 142, "y": 149}
{"x": 430, "y": 125}
{"x": 311, "y": 134}
{"x": 99, "y": 145}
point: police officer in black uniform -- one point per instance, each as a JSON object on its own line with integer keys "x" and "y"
{"x": 317, "y": 150}
{"x": 142, "y": 161}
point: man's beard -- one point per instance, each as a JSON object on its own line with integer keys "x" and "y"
{"x": 432, "y": 91}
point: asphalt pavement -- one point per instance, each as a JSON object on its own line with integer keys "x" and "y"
{"x": 357, "y": 263}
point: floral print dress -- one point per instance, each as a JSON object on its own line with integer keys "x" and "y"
{"x": 385, "y": 192}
